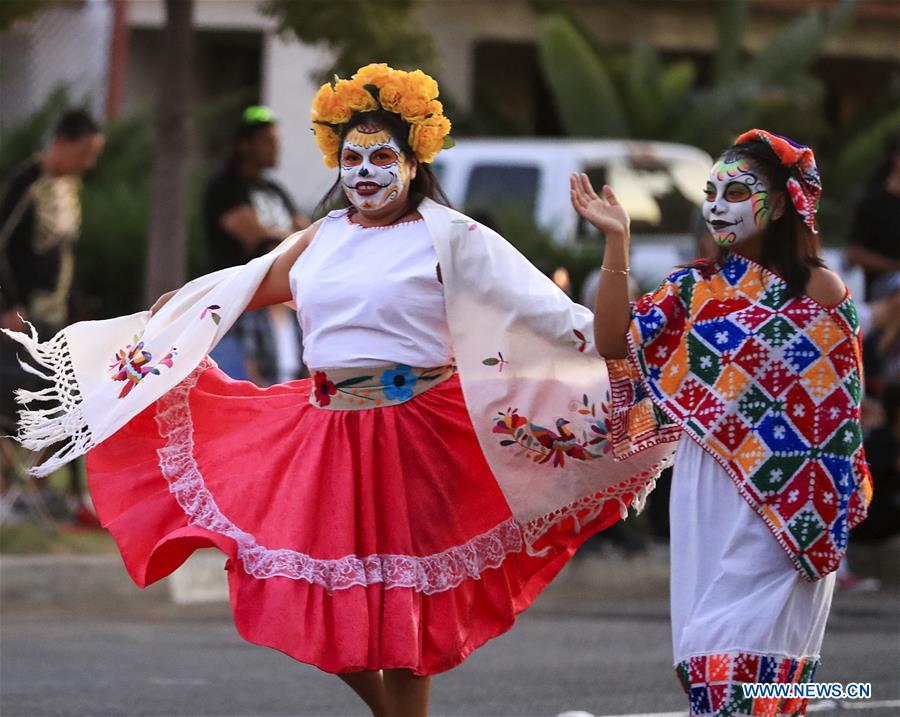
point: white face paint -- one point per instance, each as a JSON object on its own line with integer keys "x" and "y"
{"x": 737, "y": 202}
{"x": 374, "y": 172}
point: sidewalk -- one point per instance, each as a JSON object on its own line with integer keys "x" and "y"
{"x": 99, "y": 584}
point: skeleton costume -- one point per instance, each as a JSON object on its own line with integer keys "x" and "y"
{"x": 762, "y": 392}
{"x": 402, "y": 506}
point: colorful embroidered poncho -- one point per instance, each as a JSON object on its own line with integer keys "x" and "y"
{"x": 769, "y": 384}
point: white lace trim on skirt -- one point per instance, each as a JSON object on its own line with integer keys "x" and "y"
{"x": 427, "y": 574}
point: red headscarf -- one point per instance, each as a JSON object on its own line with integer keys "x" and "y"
{"x": 804, "y": 184}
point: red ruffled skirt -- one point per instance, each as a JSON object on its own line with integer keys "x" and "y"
{"x": 357, "y": 540}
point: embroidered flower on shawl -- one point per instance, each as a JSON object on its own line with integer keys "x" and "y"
{"x": 324, "y": 389}
{"x": 509, "y": 423}
{"x": 132, "y": 365}
{"x": 398, "y": 383}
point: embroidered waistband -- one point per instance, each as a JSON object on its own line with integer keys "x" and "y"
{"x": 356, "y": 389}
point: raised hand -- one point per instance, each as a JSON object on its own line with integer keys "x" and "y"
{"x": 604, "y": 212}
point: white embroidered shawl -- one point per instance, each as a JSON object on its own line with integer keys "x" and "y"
{"x": 535, "y": 388}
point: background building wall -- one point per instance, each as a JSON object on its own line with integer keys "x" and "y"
{"x": 67, "y": 44}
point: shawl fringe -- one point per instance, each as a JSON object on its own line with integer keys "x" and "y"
{"x": 584, "y": 510}
{"x": 59, "y": 420}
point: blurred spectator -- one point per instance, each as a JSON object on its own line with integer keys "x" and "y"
{"x": 243, "y": 209}
{"x": 883, "y": 454}
{"x": 40, "y": 221}
{"x": 561, "y": 278}
{"x": 272, "y": 342}
{"x": 881, "y": 338}
{"x": 245, "y": 214}
{"x": 875, "y": 234}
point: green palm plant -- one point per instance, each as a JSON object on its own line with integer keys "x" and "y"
{"x": 636, "y": 94}
{"x": 598, "y": 94}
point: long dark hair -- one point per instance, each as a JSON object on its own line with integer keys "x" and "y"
{"x": 788, "y": 247}
{"x": 424, "y": 185}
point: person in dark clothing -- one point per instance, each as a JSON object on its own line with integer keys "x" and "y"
{"x": 40, "y": 221}
{"x": 245, "y": 214}
{"x": 242, "y": 208}
{"x": 875, "y": 233}
{"x": 883, "y": 454}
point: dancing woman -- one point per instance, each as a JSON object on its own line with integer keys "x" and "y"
{"x": 387, "y": 517}
{"x": 752, "y": 363}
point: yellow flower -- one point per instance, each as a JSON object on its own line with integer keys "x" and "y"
{"x": 412, "y": 95}
{"x": 375, "y": 74}
{"x": 329, "y": 143}
{"x": 356, "y": 96}
{"x": 393, "y": 90}
{"x": 330, "y": 107}
{"x": 420, "y": 91}
{"x": 427, "y": 137}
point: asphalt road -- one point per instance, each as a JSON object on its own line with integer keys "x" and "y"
{"x": 610, "y": 659}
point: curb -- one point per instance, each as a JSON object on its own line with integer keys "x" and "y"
{"x": 101, "y": 583}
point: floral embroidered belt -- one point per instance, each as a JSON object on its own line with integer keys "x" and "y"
{"x": 357, "y": 389}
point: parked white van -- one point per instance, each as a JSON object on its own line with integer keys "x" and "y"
{"x": 660, "y": 184}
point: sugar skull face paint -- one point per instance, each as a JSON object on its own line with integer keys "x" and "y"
{"x": 374, "y": 171}
{"x": 737, "y": 202}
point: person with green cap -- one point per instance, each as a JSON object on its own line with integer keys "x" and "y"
{"x": 247, "y": 214}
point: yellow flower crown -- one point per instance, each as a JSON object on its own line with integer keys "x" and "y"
{"x": 412, "y": 95}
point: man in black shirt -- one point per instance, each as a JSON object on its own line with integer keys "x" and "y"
{"x": 244, "y": 210}
{"x": 247, "y": 214}
{"x": 40, "y": 219}
{"x": 875, "y": 235}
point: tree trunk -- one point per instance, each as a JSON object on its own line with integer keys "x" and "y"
{"x": 167, "y": 241}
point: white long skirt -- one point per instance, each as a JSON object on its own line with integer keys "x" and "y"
{"x": 741, "y": 612}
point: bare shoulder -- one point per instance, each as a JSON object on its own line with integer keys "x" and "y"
{"x": 825, "y": 287}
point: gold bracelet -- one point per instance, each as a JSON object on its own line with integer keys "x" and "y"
{"x": 623, "y": 272}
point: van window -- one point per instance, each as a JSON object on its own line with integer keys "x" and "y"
{"x": 494, "y": 185}
{"x": 661, "y": 196}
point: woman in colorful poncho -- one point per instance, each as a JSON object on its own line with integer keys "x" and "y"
{"x": 752, "y": 364}
{"x": 389, "y": 516}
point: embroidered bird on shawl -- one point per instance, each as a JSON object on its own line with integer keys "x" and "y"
{"x": 559, "y": 445}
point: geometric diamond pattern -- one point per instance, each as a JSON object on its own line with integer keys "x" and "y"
{"x": 770, "y": 384}
{"x": 713, "y": 683}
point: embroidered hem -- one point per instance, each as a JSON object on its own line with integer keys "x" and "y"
{"x": 427, "y": 574}
{"x": 714, "y": 683}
